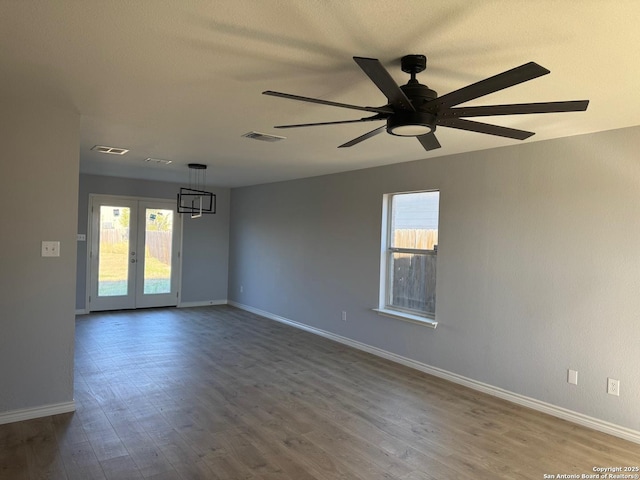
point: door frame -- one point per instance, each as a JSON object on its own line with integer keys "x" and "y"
{"x": 128, "y": 198}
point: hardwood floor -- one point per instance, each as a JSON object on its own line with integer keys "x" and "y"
{"x": 218, "y": 393}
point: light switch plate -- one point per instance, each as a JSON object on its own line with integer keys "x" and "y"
{"x": 50, "y": 248}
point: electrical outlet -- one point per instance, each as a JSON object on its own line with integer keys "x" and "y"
{"x": 344, "y": 316}
{"x": 613, "y": 387}
{"x": 50, "y": 249}
{"x": 572, "y": 377}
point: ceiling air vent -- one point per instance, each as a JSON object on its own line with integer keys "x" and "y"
{"x": 264, "y": 137}
{"x": 158, "y": 160}
{"x": 111, "y": 150}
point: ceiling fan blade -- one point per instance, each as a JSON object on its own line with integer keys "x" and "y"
{"x": 487, "y": 128}
{"x": 362, "y": 138}
{"x": 365, "y": 119}
{"x": 429, "y": 141}
{"x": 503, "y": 80}
{"x": 516, "y": 109}
{"x": 327, "y": 102}
{"x": 385, "y": 82}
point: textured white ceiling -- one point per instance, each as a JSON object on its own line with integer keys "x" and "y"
{"x": 182, "y": 80}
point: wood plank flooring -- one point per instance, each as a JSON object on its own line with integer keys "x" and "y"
{"x": 219, "y": 393}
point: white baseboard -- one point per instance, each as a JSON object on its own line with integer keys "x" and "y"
{"x": 36, "y": 412}
{"x": 204, "y": 303}
{"x": 559, "y": 412}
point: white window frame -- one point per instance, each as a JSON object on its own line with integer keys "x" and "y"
{"x": 386, "y": 252}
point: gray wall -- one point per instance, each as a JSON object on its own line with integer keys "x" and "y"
{"x": 39, "y": 194}
{"x": 205, "y": 253}
{"x": 538, "y": 265}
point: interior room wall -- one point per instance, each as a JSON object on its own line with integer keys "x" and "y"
{"x": 39, "y": 192}
{"x": 205, "y": 253}
{"x": 538, "y": 265}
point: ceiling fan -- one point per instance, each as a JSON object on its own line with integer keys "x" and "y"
{"x": 414, "y": 110}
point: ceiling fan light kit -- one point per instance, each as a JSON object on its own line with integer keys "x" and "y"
{"x": 414, "y": 110}
{"x": 411, "y": 124}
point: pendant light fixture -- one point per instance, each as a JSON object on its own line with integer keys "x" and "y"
{"x": 195, "y": 199}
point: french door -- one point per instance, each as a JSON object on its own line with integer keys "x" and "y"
{"x": 134, "y": 253}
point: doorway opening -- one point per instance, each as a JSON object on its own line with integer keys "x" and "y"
{"x": 134, "y": 253}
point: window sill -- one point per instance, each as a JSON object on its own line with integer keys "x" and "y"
{"x": 424, "y": 321}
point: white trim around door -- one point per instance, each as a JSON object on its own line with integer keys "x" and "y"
{"x": 134, "y": 253}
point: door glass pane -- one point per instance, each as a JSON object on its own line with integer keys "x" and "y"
{"x": 157, "y": 250}
{"x": 113, "y": 256}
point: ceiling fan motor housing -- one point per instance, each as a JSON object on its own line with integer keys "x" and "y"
{"x": 405, "y": 123}
{"x": 418, "y": 94}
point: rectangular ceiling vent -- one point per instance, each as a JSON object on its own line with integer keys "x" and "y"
{"x": 158, "y": 160}
{"x": 110, "y": 150}
{"x": 264, "y": 137}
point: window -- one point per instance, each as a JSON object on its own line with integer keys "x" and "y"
{"x": 409, "y": 253}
